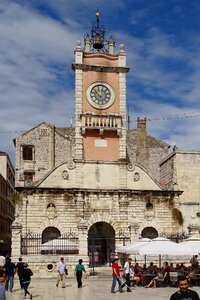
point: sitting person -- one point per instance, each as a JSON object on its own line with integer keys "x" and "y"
{"x": 178, "y": 268}
{"x": 133, "y": 276}
{"x": 150, "y": 268}
{"x": 185, "y": 271}
{"x": 144, "y": 269}
{"x": 190, "y": 273}
{"x": 158, "y": 275}
{"x": 167, "y": 270}
{"x": 172, "y": 267}
{"x": 182, "y": 267}
{"x": 137, "y": 268}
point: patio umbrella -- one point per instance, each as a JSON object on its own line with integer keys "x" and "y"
{"x": 163, "y": 246}
{"x": 192, "y": 242}
{"x": 133, "y": 248}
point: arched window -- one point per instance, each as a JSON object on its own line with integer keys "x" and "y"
{"x": 149, "y": 232}
{"x": 49, "y": 234}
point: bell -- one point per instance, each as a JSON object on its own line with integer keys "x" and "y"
{"x": 98, "y": 43}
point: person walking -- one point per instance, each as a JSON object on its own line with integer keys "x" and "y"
{"x": 61, "y": 267}
{"x": 184, "y": 292}
{"x": 127, "y": 283}
{"x": 116, "y": 276}
{"x": 2, "y": 289}
{"x": 10, "y": 272}
{"x": 20, "y": 269}
{"x": 26, "y": 279}
{"x": 79, "y": 269}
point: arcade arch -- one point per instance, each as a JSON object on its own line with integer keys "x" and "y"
{"x": 101, "y": 243}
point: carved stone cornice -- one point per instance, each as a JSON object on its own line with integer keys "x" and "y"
{"x": 104, "y": 69}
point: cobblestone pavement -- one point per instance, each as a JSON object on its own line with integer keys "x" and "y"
{"x": 94, "y": 288}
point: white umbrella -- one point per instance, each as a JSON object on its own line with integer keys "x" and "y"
{"x": 133, "y": 248}
{"x": 193, "y": 238}
{"x": 163, "y": 246}
{"x": 59, "y": 244}
{"x": 192, "y": 242}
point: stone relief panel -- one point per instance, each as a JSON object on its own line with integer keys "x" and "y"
{"x": 149, "y": 213}
{"x": 65, "y": 175}
{"x": 51, "y": 211}
{"x": 136, "y": 176}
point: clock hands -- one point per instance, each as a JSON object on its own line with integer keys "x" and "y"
{"x": 100, "y": 95}
{"x": 99, "y": 90}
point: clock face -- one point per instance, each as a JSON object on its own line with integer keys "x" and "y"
{"x": 100, "y": 95}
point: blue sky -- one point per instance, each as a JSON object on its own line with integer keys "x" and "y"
{"x": 162, "y": 42}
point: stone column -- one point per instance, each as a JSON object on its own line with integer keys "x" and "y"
{"x": 122, "y": 98}
{"x": 16, "y": 229}
{"x": 78, "y": 100}
{"x": 83, "y": 235}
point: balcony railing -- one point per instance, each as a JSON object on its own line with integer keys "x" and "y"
{"x": 101, "y": 122}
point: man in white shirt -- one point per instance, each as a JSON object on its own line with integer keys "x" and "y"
{"x": 127, "y": 283}
{"x": 61, "y": 272}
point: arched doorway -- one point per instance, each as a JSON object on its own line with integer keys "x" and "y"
{"x": 101, "y": 243}
{"x": 149, "y": 232}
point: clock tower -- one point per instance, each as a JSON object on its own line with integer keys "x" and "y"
{"x": 100, "y": 98}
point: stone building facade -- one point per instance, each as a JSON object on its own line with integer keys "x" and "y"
{"x": 180, "y": 170}
{"x": 85, "y": 190}
{"x": 7, "y": 208}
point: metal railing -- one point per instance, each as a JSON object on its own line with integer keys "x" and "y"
{"x": 33, "y": 244}
{"x": 103, "y": 122}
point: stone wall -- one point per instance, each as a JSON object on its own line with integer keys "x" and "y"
{"x": 120, "y": 209}
{"x": 52, "y": 146}
{"x": 181, "y": 171}
{"x": 64, "y": 145}
{"x": 167, "y": 172}
{"x": 147, "y": 152}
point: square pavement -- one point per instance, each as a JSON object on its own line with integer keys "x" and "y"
{"x": 94, "y": 288}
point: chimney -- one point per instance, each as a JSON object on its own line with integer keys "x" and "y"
{"x": 142, "y": 124}
{"x": 141, "y": 148}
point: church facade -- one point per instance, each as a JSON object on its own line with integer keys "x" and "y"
{"x": 85, "y": 190}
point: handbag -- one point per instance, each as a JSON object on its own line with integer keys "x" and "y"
{"x": 66, "y": 271}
